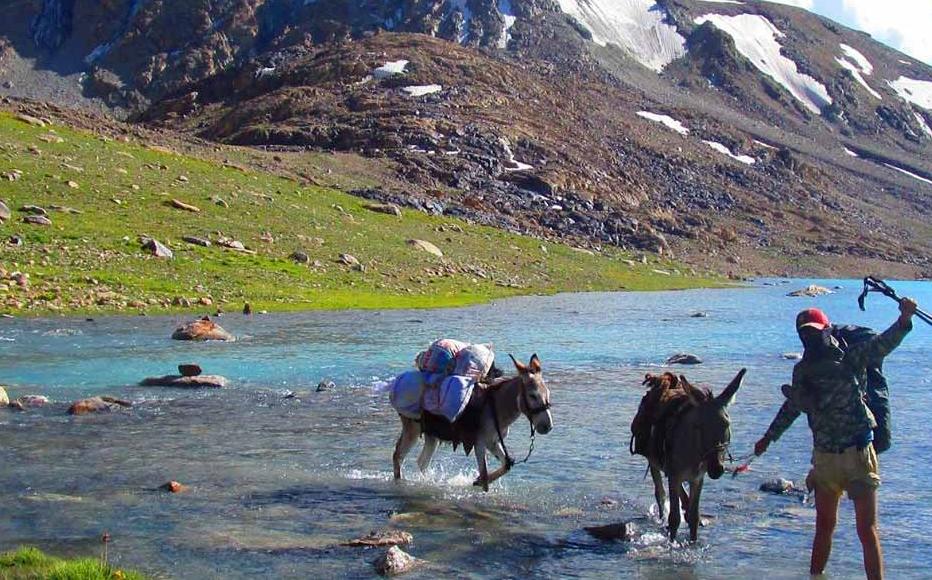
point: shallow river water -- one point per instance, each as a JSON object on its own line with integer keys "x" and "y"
{"x": 277, "y": 484}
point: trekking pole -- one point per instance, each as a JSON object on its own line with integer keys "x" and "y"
{"x": 872, "y": 284}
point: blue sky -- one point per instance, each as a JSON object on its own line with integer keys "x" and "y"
{"x": 906, "y": 25}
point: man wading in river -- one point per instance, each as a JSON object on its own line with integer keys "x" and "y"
{"x": 826, "y": 388}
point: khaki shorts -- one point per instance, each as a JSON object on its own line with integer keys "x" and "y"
{"x": 854, "y": 471}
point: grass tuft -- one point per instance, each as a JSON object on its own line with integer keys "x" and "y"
{"x": 29, "y": 563}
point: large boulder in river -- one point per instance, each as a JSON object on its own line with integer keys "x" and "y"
{"x": 33, "y": 400}
{"x": 97, "y": 405}
{"x": 612, "y": 532}
{"x": 203, "y": 329}
{"x": 190, "y": 370}
{"x": 183, "y": 382}
{"x": 382, "y": 538}
{"x": 811, "y": 291}
{"x": 684, "y": 359}
{"x": 395, "y": 562}
{"x": 4, "y": 398}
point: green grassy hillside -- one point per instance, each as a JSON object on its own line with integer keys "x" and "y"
{"x": 102, "y": 195}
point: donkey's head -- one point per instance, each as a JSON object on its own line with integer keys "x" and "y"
{"x": 534, "y": 398}
{"x": 712, "y": 423}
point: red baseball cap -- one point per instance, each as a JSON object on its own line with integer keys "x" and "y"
{"x": 812, "y": 318}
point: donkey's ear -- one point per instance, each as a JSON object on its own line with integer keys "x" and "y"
{"x": 535, "y": 364}
{"x": 695, "y": 396}
{"x": 728, "y": 395}
{"x": 520, "y": 366}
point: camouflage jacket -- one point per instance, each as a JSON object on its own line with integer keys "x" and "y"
{"x": 830, "y": 390}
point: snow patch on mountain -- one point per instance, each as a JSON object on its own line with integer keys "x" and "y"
{"x": 421, "y": 90}
{"x": 922, "y": 123}
{"x": 390, "y": 69}
{"x": 756, "y": 39}
{"x": 637, "y": 26}
{"x": 913, "y": 91}
{"x": 909, "y": 173}
{"x": 746, "y": 159}
{"x": 504, "y": 8}
{"x": 855, "y": 63}
{"x": 665, "y": 120}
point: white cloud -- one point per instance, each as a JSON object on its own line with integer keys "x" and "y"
{"x": 904, "y": 24}
{"x": 807, "y": 4}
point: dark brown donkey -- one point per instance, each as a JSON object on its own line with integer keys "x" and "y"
{"x": 689, "y": 431}
{"x": 484, "y": 424}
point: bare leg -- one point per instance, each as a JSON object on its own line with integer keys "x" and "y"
{"x": 865, "y": 510}
{"x": 674, "y": 520}
{"x": 692, "y": 514}
{"x": 826, "y": 502}
{"x": 410, "y": 430}
{"x": 499, "y": 453}
{"x": 660, "y": 491}
{"x": 427, "y": 453}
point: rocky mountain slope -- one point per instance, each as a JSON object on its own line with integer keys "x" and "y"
{"x": 745, "y": 136}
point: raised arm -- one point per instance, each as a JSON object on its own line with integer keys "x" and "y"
{"x": 875, "y": 349}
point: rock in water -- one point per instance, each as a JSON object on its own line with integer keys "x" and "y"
{"x": 779, "y": 486}
{"x": 395, "y": 562}
{"x": 174, "y": 487}
{"x": 325, "y": 386}
{"x": 190, "y": 370}
{"x": 426, "y": 247}
{"x": 191, "y": 382}
{"x": 97, "y": 405}
{"x": 203, "y": 329}
{"x": 611, "y": 532}
{"x": 382, "y": 538}
{"x": 33, "y": 400}
{"x": 811, "y": 291}
{"x": 792, "y": 356}
{"x": 684, "y": 359}
{"x": 4, "y": 398}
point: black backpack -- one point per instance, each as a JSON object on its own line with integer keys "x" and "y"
{"x": 878, "y": 393}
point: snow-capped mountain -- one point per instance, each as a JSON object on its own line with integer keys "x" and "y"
{"x": 674, "y": 125}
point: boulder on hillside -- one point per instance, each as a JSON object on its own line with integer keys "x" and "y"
{"x": 386, "y": 208}
{"x": 37, "y": 220}
{"x": 684, "y": 359}
{"x": 97, "y": 405}
{"x": 5, "y": 212}
{"x": 156, "y": 248}
{"x": 183, "y": 382}
{"x": 203, "y": 329}
{"x": 426, "y": 247}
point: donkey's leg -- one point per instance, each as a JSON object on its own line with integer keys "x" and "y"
{"x": 410, "y": 430}
{"x": 660, "y": 492}
{"x": 675, "y": 486}
{"x": 483, "y": 479}
{"x": 499, "y": 453}
{"x": 692, "y": 515}
{"x": 427, "y": 453}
